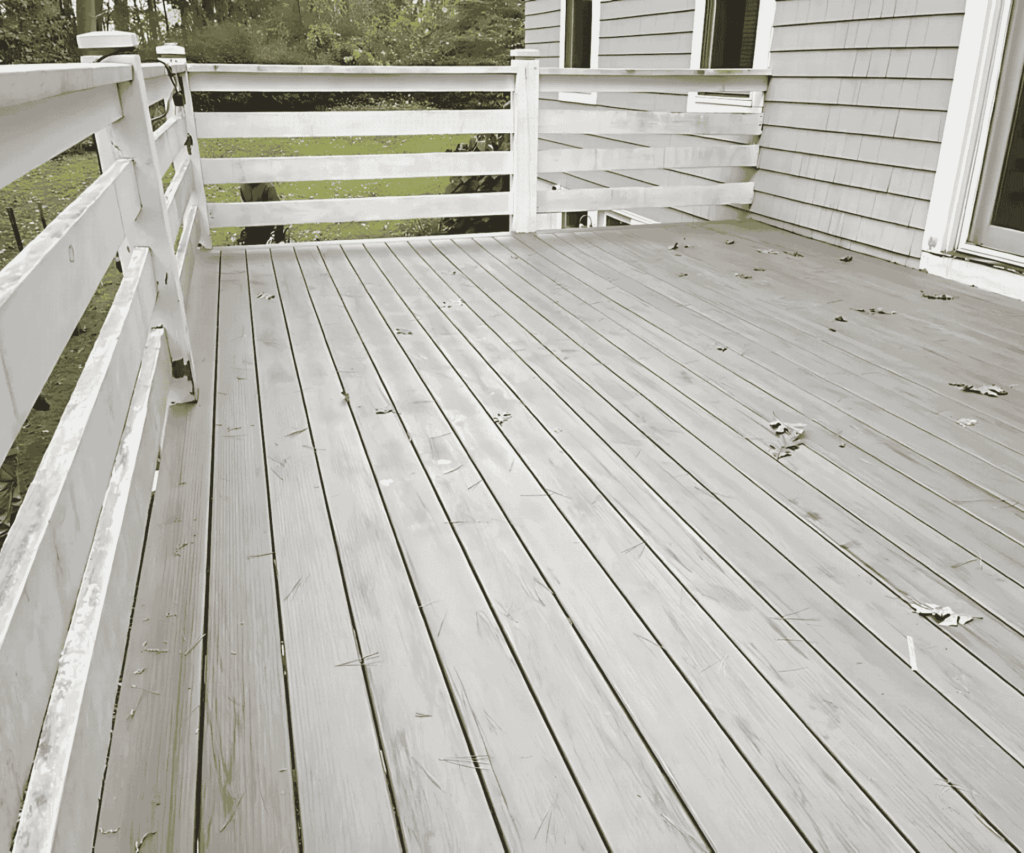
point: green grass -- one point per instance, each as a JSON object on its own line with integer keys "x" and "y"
{"x": 333, "y": 146}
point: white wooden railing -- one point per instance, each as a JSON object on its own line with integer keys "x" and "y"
{"x": 70, "y": 561}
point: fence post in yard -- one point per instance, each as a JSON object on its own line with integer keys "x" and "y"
{"x": 525, "y": 117}
{"x": 131, "y": 137}
{"x": 168, "y": 52}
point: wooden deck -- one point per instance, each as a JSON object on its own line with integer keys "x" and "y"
{"x": 481, "y": 544}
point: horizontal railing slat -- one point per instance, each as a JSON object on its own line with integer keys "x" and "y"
{"x": 178, "y": 194}
{"x": 185, "y": 256}
{"x": 330, "y": 78}
{"x": 665, "y": 81}
{"x": 170, "y": 139}
{"x": 47, "y": 287}
{"x": 354, "y": 167}
{"x": 371, "y": 123}
{"x": 604, "y": 159}
{"x": 23, "y": 84}
{"x": 358, "y": 209}
{"x": 608, "y": 121}
{"x": 32, "y": 133}
{"x": 619, "y": 198}
{"x": 158, "y": 88}
{"x": 43, "y": 560}
{"x": 62, "y": 799}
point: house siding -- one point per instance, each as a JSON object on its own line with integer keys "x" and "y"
{"x": 853, "y": 118}
{"x": 643, "y": 34}
{"x": 543, "y": 25}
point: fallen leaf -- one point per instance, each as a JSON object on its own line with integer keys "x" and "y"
{"x": 943, "y": 616}
{"x": 791, "y": 435}
{"x": 967, "y": 422}
{"x": 729, "y": 242}
{"x": 673, "y": 247}
{"x": 873, "y": 311}
{"x": 722, "y": 349}
{"x": 767, "y": 251}
{"x": 794, "y": 254}
{"x": 741, "y": 275}
{"x": 383, "y": 411}
{"x": 847, "y": 259}
{"x": 501, "y": 417}
{"x": 943, "y": 296}
{"x": 840, "y": 319}
{"x": 758, "y": 269}
{"x": 987, "y": 390}
{"x": 402, "y": 332}
{"x": 267, "y": 296}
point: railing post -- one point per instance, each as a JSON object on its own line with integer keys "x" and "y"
{"x": 525, "y": 119}
{"x": 170, "y": 52}
{"x": 132, "y": 137}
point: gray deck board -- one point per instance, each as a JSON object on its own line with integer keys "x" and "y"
{"x": 528, "y": 481}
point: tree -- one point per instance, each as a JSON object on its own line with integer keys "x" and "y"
{"x": 37, "y": 31}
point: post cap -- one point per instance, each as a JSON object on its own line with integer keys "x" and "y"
{"x": 525, "y": 53}
{"x": 104, "y": 42}
{"x": 171, "y": 49}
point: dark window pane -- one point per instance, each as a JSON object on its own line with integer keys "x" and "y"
{"x": 729, "y": 32}
{"x": 579, "y": 22}
{"x": 1009, "y": 207}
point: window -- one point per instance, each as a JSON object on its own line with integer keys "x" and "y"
{"x": 730, "y": 34}
{"x": 730, "y": 30}
{"x": 578, "y": 33}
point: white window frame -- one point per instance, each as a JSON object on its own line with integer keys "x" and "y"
{"x": 697, "y": 102}
{"x": 595, "y": 50}
{"x": 964, "y": 141}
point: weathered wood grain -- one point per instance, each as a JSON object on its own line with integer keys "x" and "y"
{"x": 150, "y": 787}
{"x": 62, "y": 798}
{"x": 247, "y": 798}
{"x": 373, "y": 123}
{"x": 230, "y": 170}
{"x": 45, "y": 554}
{"x": 47, "y": 287}
{"x": 438, "y": 805}
{"x": 358, "y": 209}
{"x": 331, "y": 78}
{"x": 342, "y": 787}
{"x": 33, "y": 131}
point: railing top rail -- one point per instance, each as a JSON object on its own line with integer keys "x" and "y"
{"x": 349, "y": 70}
{"x": 22, "y": 84}
{"x": 154, "y": 69}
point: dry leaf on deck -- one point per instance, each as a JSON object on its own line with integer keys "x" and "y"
{"x": 873, "y": 311}
{"x": 987, "y": 390}
{"x": 942, "y": 296}
{"x": 791, "y": 436}
{"x": 967, "y": 422}
{"x": 943, "y": 616}
{"x": 847, "y": 259}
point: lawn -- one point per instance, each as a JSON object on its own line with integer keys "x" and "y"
{"x": 334, "y": 189}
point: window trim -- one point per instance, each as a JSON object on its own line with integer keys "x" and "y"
{"x": 945, "y": 250}
{"x": 697, "y": 102}
{"x": 595, "y": 50}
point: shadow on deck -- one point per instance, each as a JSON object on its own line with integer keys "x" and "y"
{"x": 472, "y": 543}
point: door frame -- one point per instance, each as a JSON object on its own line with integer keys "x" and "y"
{"x": 945, "y": 249}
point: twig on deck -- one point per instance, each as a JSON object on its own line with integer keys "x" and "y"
{"x": 196, "y": 643}
{"x": 231, "y": 816}
{"x": 363, "y": 661}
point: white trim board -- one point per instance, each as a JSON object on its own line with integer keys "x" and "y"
{"x": 982, "y": 276}
{"x": 958, "y": 174}
{"x": 595, "y": 50}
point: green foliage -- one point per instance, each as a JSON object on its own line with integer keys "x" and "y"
{"x": 37, "y": 31}
{"x": 479, "y": 184}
